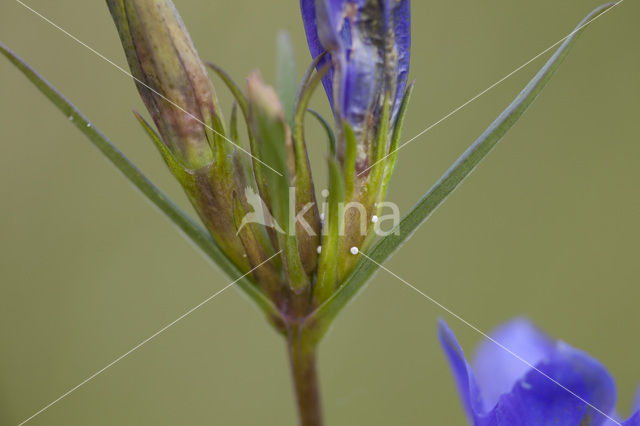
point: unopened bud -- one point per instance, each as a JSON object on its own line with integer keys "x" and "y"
{"x": 264, "y": 97}
{"x": 169, "y": 75}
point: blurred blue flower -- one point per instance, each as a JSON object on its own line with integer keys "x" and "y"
{"x": 501, "y": 390}
{"x": 368, "y": 43}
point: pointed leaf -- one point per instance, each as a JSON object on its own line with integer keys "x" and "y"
{"x": 188, "y": 226}
{"x": 286, "y": 74}
{"x": 273, "y": 139}
{"x": 170, "y": 160}
{"x": 351, "y": 151}
{"x": 232, "y": 86}
{"x": 328, "y": 265}
{"x": 331, "y": 137}
{"x": 447, "y": 183}
{"x": 392, "y": 159}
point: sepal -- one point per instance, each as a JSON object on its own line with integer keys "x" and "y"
{"x": 327, "y": 277}
{"x": 275, "y": 147}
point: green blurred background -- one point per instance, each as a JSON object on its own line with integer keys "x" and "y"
{"x": 547, "y": 227}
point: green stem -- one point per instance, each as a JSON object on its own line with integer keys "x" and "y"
{"x": 302, "y": 357}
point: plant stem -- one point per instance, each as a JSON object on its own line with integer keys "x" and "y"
{"x": 302, "y": 357}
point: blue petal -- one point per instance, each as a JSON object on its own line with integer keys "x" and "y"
{"x": 536, "y": 398}
{"x": 496, "y": 369}
{"x": 316, "y": 47}
{"x": 401, "y": 17}
{"x": 369, "y": 43}
{"x": 613, "y": 421}
{"x": 633, "y": 421}
{"x": 462, "y": 373}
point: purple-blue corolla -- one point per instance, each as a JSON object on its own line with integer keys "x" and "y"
{"x": 498, "y": 389}
{"x": 367, "y": 43}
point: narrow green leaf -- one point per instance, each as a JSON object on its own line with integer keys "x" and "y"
{"x": 271, "y": 134}
{"x": 243, "y": 103}
{"x": 233, "y": 123}
{"x": 267, "y": 275}
{"x": 328, "y": 265}
{"x": 233, "y": 88}
{"x": 192, "y": 230}
{"x": 306, "y": 79}
{"x": 380, "y": 149}
{"x": 286, "y": 77}
{"x": 174, "y": 165}
{"x": 220, "y": 144}
{"x": 305, "y": 190}
{"x": 453, "y": 177}
{"x": 331, "y": 137}
{"x": 392, "y": 159}
{"x": 274, "y": 147}
{"x": 351, "y": 151}
{"x": 303, "y": 169}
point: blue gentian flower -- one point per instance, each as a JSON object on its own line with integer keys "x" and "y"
{"x": 363, "y": 47}
{"x": 368, "y": 43}
{"x": 501, "y": 390}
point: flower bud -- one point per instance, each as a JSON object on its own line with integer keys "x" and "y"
{"x": 275, "y": 147}
{"x": 368, "y": 45}
{"x": 170, "y": 77}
